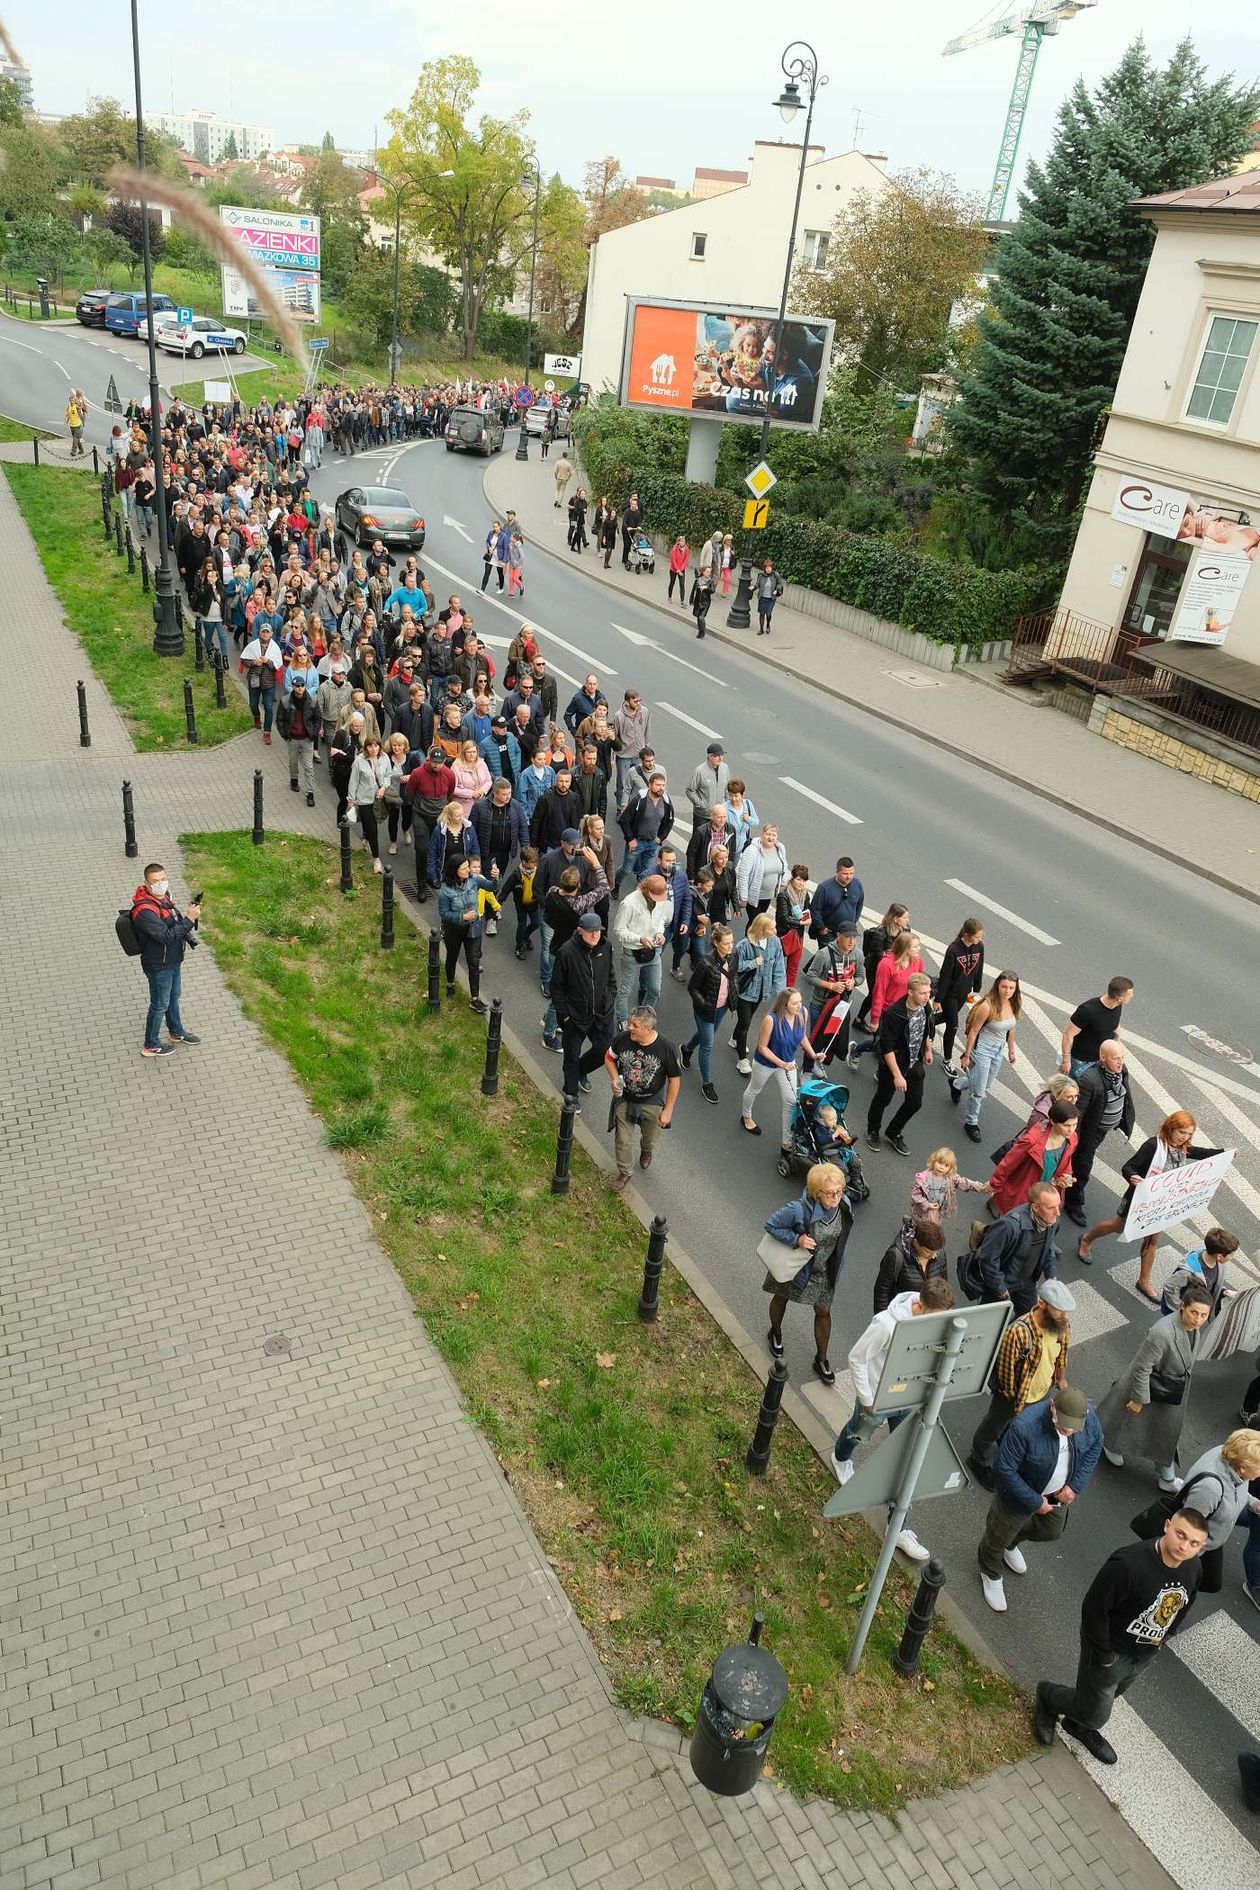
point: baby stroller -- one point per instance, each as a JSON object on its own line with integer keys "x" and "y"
{"x": 813, "y": 1140}
{"x": 642, "y": 553}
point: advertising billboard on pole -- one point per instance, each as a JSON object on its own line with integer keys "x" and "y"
{"x": 284, "y": 243}
{"x": 729, "y": 363}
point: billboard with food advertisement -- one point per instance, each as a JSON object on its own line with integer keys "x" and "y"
{"x": 732, "y": 364}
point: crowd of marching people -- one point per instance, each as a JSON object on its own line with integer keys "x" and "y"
{"x": 546, "y": 819}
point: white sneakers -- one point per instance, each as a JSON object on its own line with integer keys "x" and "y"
{"x": 843, "y": 1468}
{"x": 744, "y": 1067}
{"x": 1014, "y": 1559}
{"x": 910, "y": 1545}
{"x": 1113, "y": 1458}
{"x": 994, "y": 1593}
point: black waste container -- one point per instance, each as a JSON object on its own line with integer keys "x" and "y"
{"x": 742, "y": 1698}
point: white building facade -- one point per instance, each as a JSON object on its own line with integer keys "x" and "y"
{"x": 728, "y": 249}
{"x": 205, "y": 136}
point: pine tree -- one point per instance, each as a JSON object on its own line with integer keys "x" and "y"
{"x": 230, "y": 151}
{"x": 1068, "y": 276}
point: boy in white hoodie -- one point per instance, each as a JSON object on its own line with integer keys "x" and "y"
{"x": 866, "y": 1362}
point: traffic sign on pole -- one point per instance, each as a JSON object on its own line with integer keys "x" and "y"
{"x": 113, "y": 402}
{"x": 878, "y": 1478}
{"x": 317, "y": 343}
{"x": 756, "y": 514}
{"x": 524, "y": 397}
{"x": 760, "y": 480}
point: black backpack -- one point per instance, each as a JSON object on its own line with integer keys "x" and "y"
{"x": 128, "y": 937}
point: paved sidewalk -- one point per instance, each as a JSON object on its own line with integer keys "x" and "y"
{"x": 273, "y": 1618}
{"x": 1013, "y": 733}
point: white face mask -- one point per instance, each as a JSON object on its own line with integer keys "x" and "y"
{"x": 161, "y": 887}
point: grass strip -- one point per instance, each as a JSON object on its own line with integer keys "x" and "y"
{"x": 14, "y": 430}
{"x": 625, "y": 1444}
{"x": 113, "y": 619}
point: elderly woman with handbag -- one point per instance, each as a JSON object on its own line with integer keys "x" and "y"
{"x": 1145, "y": 1409}
{"x": 803, "y": 1251}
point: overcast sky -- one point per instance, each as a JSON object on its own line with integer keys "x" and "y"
{"x": 664, "y": 84}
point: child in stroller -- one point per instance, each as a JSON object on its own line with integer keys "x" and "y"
{"x": 642, "y": 553}
{"x": 818, "y": 1132}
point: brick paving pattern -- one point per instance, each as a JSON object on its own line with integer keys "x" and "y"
{"x": 274, "y": 1618}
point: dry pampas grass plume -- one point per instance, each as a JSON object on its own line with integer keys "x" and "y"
{"x": 10, "y": 50}
{"x": 197, "y": 218}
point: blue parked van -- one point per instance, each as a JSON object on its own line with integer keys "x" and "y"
{"x": 124, "y": 313}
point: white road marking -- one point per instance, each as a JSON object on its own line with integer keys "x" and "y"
{"x": 640, "y": 641}
{"x": 820, "y": 800}
{"x": 514, "y": 611}
{"x": 1210, "y": 1043}
{"x": 691, "y": 722}
{"x": 1003, "y": 912}
{"x": 1199, "y": 1847}
{"x": 1222, "y": 1655}
{"x": 503, "y": 643}
{"x": 30, "y": 348}
{"x": 456, "y": 527}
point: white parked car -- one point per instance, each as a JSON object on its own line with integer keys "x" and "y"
{"x": 202, "y": 335}
{"x": 162, "y": 318}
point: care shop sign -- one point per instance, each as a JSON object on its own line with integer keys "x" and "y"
{"x": 1151, "y": 508}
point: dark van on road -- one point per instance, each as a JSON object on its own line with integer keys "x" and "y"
{"x": 124, "y": 313}
{"x": 473, "y": 431}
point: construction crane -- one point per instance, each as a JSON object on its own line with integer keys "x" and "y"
{"x": 1035, "y": 19}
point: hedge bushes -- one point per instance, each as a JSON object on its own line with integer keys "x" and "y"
{"x": 941, "y": 600}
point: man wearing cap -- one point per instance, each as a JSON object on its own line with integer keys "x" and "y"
{"x": 639, "y": 931}
{"x": 297, "y": 724}
{"x": 501, "y": 752}
{"x": 332, "y": 699}
{"x": 1049, "y": 1453}
{"x": 707, "y": 786}
{"x": 1031, "y": 1363}
{"x": 583, "y": 990}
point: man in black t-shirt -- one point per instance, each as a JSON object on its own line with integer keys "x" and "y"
{"x": 1139, "y": 1597}
{"x": 1091, "y": 1024}
{"x": 646, "y": 1076}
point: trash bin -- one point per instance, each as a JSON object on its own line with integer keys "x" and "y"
{"x": 743, "y": 1696}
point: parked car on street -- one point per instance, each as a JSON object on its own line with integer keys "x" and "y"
{"x": 124, "y": 312}
{"x": 90, "y": 307}
{"x": 471, "y": 431}
{"x": 538, "y": 416}
{"x": 161, "y": 318}
{"x": 204, "y": 334}
{"x": 367, "y": 512}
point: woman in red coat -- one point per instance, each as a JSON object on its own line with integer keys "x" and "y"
{"x": 1042, "y": 1153}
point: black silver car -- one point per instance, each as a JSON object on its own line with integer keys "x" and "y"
{"x": 90, "y": 307}
{"x": 471, "y": 431}
{"x": 365, "y": 513}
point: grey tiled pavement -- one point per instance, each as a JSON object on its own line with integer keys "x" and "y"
{"x": 275, "y": 1619}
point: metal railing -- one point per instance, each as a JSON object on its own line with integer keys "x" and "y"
{"x": 17, "y": 298}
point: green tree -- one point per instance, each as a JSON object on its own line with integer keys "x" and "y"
{"x": 43, "y": 245}
{"x": 246, "y": 185}
{"x": 897, "y": 261}
{"x": 109, "y": 254}
{"x": 126, "y": 221}
{"x": 10, "y": 103}
{"x": 328, "y": 144}
{"x": 427, "y": 297}
{"x": 31, "y": 168}
{"x": 562, "y": 256}
{"x": 231, "y": 151}
{"x": 1068, "y": 276}
{"x": 331, "y": 192}
{"x": 473, "y": 218}
{"x": 611, "y": 203}
{"x": 105, "y": 135}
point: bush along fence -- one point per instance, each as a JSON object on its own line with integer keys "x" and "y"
{"x": 946, "y": 603}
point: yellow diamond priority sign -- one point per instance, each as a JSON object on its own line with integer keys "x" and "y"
{"x": 760, "y": 480}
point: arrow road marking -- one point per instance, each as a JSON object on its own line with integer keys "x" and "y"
{"x": 1003, "y": 912}
{"x": 469, "y": 589}
{"x": 841, "y": 813}
{"x": 456, "y": 527}
{"x": 640, "y": 642}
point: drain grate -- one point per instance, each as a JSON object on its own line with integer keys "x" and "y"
{"x": 277, "y": 1346}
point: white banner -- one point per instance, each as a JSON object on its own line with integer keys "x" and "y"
{"x": 569, "y": 365}
{"x": 1173, "y": 1195}
{"x": 1209, "y": 597}
{"x": 1150, "y": 507}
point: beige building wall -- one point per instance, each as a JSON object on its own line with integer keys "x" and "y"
{"x": 745, "y": 248}
{"x": 1203, "y": 263}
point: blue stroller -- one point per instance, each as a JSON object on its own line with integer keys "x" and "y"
{"x": 816, "y": 1141}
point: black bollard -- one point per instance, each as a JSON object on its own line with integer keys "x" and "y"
{"x": 347, "y": 870}
{"x": 35, "y": 444}
{"x": 494, "y": 1037}
{"x": 144, "y": 570}
{"x": 118, "y": 535}
{"x": 190, "y": 713}
{"x": 906, "y": 1659}
{"x": 652, "y": 1269}
{"x": 199, "y": 648}
{"x": 85, "y": 739}
{"x": 131, "y": 847}
{"x": 96, "y": 462}
{"x": 435, "y": 971}
{"x": 220, "y": 667}
{"x": 387, "y": 909}
{"x": 258, "y": 811}
{"x": 564, "y": 1145}
{"x": 759, "y": 1450}
{"x": 109, "y": 523}
{"x": 131, "y": 556}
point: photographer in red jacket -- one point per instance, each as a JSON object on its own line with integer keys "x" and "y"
{"x": 165, "y": 934}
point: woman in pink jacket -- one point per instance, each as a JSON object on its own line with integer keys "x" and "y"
{"x": 472, "y": 777}
{"x": 892, "y": 975}
{"x": 679, "y": 559}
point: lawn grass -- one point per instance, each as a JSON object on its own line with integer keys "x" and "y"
{"x": 112, "y": 618}
{"x": 624, "y": 1443}
{"x": 11, "y": 430}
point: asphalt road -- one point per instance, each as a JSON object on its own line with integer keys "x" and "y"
{"x": 919, "y": 819}
{"x": 926, "y": 818}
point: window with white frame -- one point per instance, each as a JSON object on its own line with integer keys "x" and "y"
{"x": 814, "y": 248}
{"x": 699, "y": 242}
{"x": 1226, "y": 351}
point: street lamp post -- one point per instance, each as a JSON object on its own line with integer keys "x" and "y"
{"x": 393, "y": 330}
{"x": 800, "y": 66}
{"x": 522, "y": 444}
{"x": 168, "y": 635}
